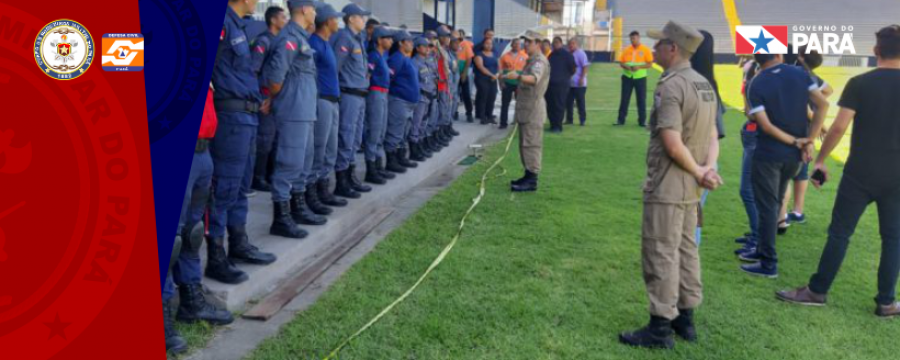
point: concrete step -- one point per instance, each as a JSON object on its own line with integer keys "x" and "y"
{"x": 294, "y": 255}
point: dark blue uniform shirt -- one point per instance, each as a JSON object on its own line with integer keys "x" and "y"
{"x": 404, "y": 78}
{"x": 378, "y": 67}
{"x": 326, "y": 63}
{"x": 233, "y": 76}
{"x": 782, "y": 92}
{"x": 262, "y": 49}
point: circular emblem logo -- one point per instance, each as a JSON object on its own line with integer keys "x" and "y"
{"x": 64, "y": 49}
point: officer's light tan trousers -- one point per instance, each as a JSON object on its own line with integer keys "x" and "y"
{"x": 671, "y": 261}
{"x": 531, "y": 144}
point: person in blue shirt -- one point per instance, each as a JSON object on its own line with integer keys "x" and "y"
{"x": 291, "y": 72}
{"x": 276, "y": 19}
{"x": 325, "y": 136}
{"x": 353, "y": 72}
{"x": 377, "y": 105}
{"x": 402, "y": 99}
{"x": 778, "y": 98}
{"x": 238, "y": 102}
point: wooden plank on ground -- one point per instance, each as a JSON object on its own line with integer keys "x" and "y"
{"x": 288, "y": 290}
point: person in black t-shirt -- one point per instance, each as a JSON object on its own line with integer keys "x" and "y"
{"x": 872, "y": 174}
{"x": 562, "y": 67}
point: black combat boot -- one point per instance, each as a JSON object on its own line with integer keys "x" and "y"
{"x": 343, "y": 188}
{"x": 302, "y": 214}
{"x": 443, "y": 138}
{"x": 426, "y": 148}
{"x": 529, "y": 183}
{"x": 259, "y": 173}
{"x": 283, "y": 224}
{"x": 241, "y": 250}
{"x": 403, "y": 160}
{"x": 393, "y": 163}
{"x": 387, "y": 175}
{"x": 312, "y": 200}
{"x": 354, "y": 181}
{"x": 415, "y": 153}
{"x": 656, "y": 335}
{"x": 175, "y": 344}
{"x": 520, "y": 180}
{"x": 323, "y": 187}
{"x": 452, "y": 130}
{"x": 194, "y": 307}
{"x": 372, "y": 174}
{"x": 683, "y": 325}
{"x": 218, "y": 266}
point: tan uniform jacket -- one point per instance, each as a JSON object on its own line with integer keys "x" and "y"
{"x": 685, "y": 102}
{"x": 530, "y": 104}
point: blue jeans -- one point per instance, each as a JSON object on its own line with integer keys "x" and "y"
{"x": 749, "y": 141}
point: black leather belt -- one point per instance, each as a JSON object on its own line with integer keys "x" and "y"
{"x": 334, "y": 99}
{"x": 237, "y": 106}
{"x": 356, "y": 92}
{"x": 202, "y": 146}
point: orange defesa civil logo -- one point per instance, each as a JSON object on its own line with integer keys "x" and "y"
{"x": 123, "y": 52}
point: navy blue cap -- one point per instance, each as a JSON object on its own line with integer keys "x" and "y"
{"x": 324, "y": 12}
{"x": 443, "y": 32}
{"x": 381, "y": 32}
{"x": 402, "y": 35}
{"x": 354, "y": 9}
{"x": 430, "y": 35}
{"x": 293, "y": 4}
{"x": 421, "y": 41}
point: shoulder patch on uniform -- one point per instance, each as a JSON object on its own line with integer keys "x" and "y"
{"x": 290, "y": 45}
{"x": 344, "y": 49}
{"x": 222, "y": 35}
{"x": 238, "y": 40}
{"x": 357, "y": 51}
{"x": 260, "y": 49}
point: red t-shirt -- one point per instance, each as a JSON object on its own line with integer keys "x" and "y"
{"x": 209, "y": 121}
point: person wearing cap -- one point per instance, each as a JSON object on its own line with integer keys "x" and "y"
{"x": 634, "y": 61}
{"x": 238, "y": 102}
{"x": 441, "y": 132}
{"x": 428, "y": 144}
{"x": 325, "y": 130}
{"x": 371, "y": 25}
{"x": 680, "y": 163}
{"x": 531, "y": 109}
{"x": 403, "y": 98}
{"x": 428, "y": 89}
{"x": 353, "y": 72}
{"x": 291, "y": 72}
{"x": 377, "y": 105}
{"x": 513, "y": 61}
{"x": 276, "y": 19}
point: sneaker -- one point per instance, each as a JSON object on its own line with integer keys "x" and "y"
{"x": 750, "y": 256}
{"x": 744, "y": 239}
{"x": 795, "y": 218}
{"x": 783, "y": 226}
{"x": 748, "y": 248}
{"x": 888, "y": 311}
{"x": 801, "y": 296}
{"x": 758, "y": 270}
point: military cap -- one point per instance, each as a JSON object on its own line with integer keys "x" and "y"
{"x": 353, "y": 9}
{"x": 324, "y": 12}
{"x": 685, "y": 36}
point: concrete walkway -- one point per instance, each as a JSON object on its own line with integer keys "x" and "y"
{"x": 404, "y": 195}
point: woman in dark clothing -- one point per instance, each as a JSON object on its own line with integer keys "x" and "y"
{"x": 562, "y": 67}
{"x": 487, "y": 66}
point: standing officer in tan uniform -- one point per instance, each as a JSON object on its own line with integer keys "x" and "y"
{"x": 680, "y": 159}
{"x": 531, "y": 111}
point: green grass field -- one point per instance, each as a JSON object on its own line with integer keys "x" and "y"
{"x": 556, "y": 274}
